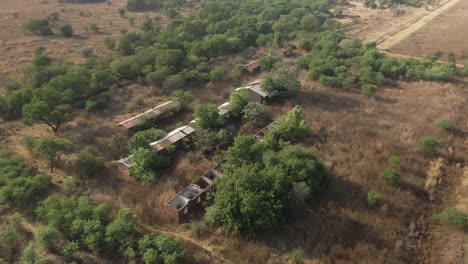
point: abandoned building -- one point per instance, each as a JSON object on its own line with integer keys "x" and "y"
{"x": 124, "y": 165}
{"x": 262, "y": 133}
{"x": 253, "y": 67}
{"x": 132, "y": 124}
{"x": 173, "y": 138}
{"x": 255, "y": 91}
{"x": 189, "y": 200}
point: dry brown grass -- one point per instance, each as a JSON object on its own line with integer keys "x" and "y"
{"x": 17, "y": 48}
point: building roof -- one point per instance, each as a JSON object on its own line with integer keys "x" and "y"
{"x": 171, "y": 138}
{"x": 224, "y": 108}
{"x": 262, "y": 133}
{"x": 252, "y": 66}
{"x": 154, "y": 112}
{"x": 256, "y": 81}
{"x": 126, "y": 161}
{"x": 259, "y": 90}
{"x": 193, "y": 190}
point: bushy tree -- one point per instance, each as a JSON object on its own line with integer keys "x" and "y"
{"x": 282, "y": 81}
{"x": 208, "y": 116}
{"x": 142, "y": 139}
{"x": 47, "y": 236}
{"x": 249, "y": 200}
{"x": 51, "y": 148}
{"x": 256, "y": 114}
{"x": 237, "y": 102}
{"x": 146, "y": 163}
{"x": 121, "y": 232}
{"x": 289, "y": 127}
{"x": 160, "y": 249}
{"x": 217, "y": 74}
{"x": 89, "y": 163}
{"x": 443, "y": 123}
{"x": 373, "y": 198}
{"x": 22, "y": 190}
{"x": 38, "y": 27}
{"x": 453, "y": 218}
{"x": 183, "y": 97}
{"x": 66, "y": 30}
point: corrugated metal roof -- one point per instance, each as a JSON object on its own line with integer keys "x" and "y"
{"x": 171, "y": 138}
{"x": 258, "y": 89}
{"x": 154, "y": 112}
{"x": 126, "y": 161}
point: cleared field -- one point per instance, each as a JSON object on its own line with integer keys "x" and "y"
{"x": 444, "y": 36}
{"x": 17, "y": 46}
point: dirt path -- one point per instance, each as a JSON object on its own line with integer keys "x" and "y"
{"x": 217, "y": 258}
{"x": 400, "y": 56}
{"x": 390, "y": 34}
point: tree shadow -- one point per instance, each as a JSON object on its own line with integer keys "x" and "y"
{"x": 327, "y": 101}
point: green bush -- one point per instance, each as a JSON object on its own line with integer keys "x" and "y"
{"x": 443, "y": 123}
{"x": 110, "y": 43}
{"x": 38, "y": 27}
{"x": 89, "y": 163}
{"x": 217, "y": 74}
{"x": 374, "y": 198}
{"x": 453, "y": 218}
{"x": 86, "y": 52}
{"x": 256, "y": 114}
{"x": 430, "y": 145}
{"x": 296, "y": 256}
{"x": 47, "y": 237}
{"x": 66, "y": 30}
{"x": 391, "y": 173}
{"x": 368, "y": 89}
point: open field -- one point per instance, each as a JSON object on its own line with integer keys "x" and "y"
{"x": 17, "y": 46}
{"x": 443, "y": 36}
{"x": 353, "y": 134}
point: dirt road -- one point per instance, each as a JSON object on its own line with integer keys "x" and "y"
{"x": 390, "y": 34}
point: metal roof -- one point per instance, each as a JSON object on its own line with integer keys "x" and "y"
{"x": 154, "y": 112}
{"x": 258, "y": 89}
{"x": 126, "y": 161}
{"x": 171, "y": 138}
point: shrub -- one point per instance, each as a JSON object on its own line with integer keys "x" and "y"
{"x": 208, "y": 116}
{"x": 429, "y": 145}
{"x": 66, "y": 30}
{"x": 183, "y": 97}
{"x": 142, "y": 139}
{"x": 70, "y": 247}
{"x": 391, "y": 173}
{"x": 122, "y": 12}
{"x": 443, "y": 123}
{"x": 368, "y": 89}
{"x": 296, "y": 255}
{"x": 173, "y": 82}
{"x": 198, "y": 227}
{"x": 217, "y": 74}
{"x": 374, "y": 198}
{"x": 54, "y": 16}
{"x": 86, "y": 52}
{"x": 109, "y": 42}
{"x": 94, "y": 28}
{"x": 453, "y": 218}
{"x": 47, "y": 236}
{"x": 267, "y": 62}
{"x": 89, "y": 163}
{"x": 38, "y": 27}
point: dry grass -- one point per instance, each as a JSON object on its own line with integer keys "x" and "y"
{"x": 17, "y": 48}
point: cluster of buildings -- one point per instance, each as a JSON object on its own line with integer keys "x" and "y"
{"x": 190, "y": 199}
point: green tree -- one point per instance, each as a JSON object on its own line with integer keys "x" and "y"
{"x": 250, "y": 200}
{"x": 47, "y": 237}
{"x": 160, "y": 249}
{"x": 310, "y": 23}
{"x": 38, "y": 27}
{"x": 183, "y": 97}
{"x": 89, "y": 163}
{"x": 282, "y": 81}
{"x": 29, "y": 255}
{"x": 146, "y": 162}
{"x": 374, "y": 198}
{"x": 66, "y": 30}
{"x": 142, "y": 139}
{"x": 109, "y": 42}
{"x": 368, "y": 89}
{"x": 237, "y": 102}
{"x": 94, "y": 28}
{"x": 217, "y": 74}
{"x": 51, "y": 148}
{"x": 289, "y": 127}
{"x": 256, "y": 114}
{"x": 121, "y": 232}
{"x": 23, "y": 190}
{"x": 208, "y": 116}
{"x": 41, "y": 111}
